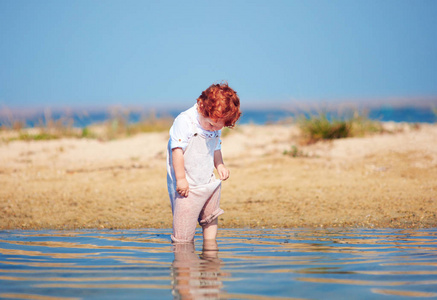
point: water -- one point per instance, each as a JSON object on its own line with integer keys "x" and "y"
{"x": 410, "y": 114}
{"x": 250, "y": 264}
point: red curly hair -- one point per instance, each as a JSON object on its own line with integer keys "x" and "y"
{"x": 219, "y": 101}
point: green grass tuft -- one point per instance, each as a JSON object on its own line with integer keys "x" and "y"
{"x": 42, "y": 136}
{"x": 295, "y": 152}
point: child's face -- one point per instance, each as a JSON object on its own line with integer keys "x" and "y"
{"x": 210, "y": 125}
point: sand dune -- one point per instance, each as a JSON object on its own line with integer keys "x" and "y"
{"x": 384, "y": 180}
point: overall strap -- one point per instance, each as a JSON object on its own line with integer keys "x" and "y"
{"x": 193, "y": 124}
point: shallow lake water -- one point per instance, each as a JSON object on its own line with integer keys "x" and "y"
{"x": 245, "y": 264}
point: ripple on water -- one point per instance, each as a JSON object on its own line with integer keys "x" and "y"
{"x": 244, "y": 264}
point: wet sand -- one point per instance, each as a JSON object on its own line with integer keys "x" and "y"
{"x": 379, "y": 181}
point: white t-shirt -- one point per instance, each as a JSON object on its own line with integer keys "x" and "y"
{"x": 182, "y": 130}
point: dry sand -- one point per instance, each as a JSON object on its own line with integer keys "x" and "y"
{"x": 385, "y": 180}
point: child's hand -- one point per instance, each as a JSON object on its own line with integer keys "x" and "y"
{"x": 182, "y": 187}
{"x": 223, "y": 172}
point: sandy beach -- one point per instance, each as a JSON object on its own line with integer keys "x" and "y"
{"x": 378, "y": 181}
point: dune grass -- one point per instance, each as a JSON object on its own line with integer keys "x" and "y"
{"x": 118, "y": 125}
{"x": 47, "y": 128}
{"x": 325, "y": 126}
{"x": 321, "y": 125}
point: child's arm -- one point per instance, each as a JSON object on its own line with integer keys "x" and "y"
{"x": 220, "y": 166}
{"x": 179, "y": 169}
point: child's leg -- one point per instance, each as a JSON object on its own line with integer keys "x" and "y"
{"x": 186, "y": 211}
{"x": 197, "y": 207}
{"x": 208, "y": 218}
{"x": 210, "y": 230}
{"x": 210, "y": 246}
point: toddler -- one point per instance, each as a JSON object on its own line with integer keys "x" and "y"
{"x": 194, "y": 149}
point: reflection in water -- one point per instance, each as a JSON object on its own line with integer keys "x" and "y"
{"x": 251, "y": 264}
{"x": 194, "y": 276}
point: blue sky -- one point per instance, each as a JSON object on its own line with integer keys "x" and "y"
{"x": 164, "y": 53}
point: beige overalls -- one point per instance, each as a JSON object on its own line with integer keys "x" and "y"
{"x": 203, "y": 202}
